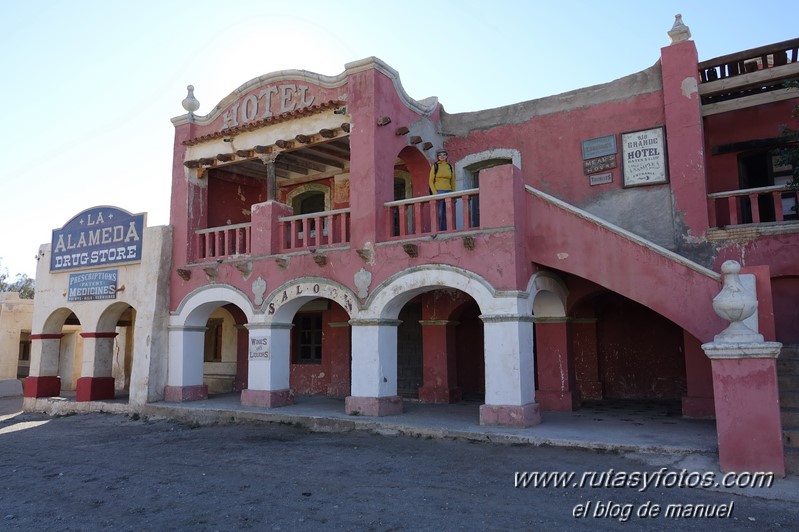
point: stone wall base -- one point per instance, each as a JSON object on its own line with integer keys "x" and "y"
{"x": 267, "y": 398}
{"x": 510, "y": 415}
{"x": 180, "y": 394}
{"x": 373, "y": 406}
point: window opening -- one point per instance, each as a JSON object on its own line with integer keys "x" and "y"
{"x": 308, "y": 338}
{"x": 213, "y": 340}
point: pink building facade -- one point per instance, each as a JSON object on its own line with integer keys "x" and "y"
{"x": 580, "y": 259}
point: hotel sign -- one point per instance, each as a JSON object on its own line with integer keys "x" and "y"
{"x": 644, "y": 155}
{"x": 92, "y": 286}
{"x": 99, "y": 236}
{"x": 271, "y": 101}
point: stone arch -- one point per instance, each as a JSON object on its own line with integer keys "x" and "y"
{"x": 391, "y": 295}
{"x": 281, "y": 305}
{"x": 548, "y": 295}
{"x": 468, "y": 165}
{"x": 55, "y": 321}
{"x": 110, "y": 316}
{"x": 419, "y": 168}
{"x": 307, "y": 188}
{"x": 195, "y": 308}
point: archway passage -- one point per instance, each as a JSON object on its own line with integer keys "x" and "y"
{"x": 440, "y": 348}
{"x": 320, "y": 349}
{"x": 628, "y": 356}
{"x": 225, "y": 351}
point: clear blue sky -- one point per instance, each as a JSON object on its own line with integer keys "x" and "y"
{"x": 88, "y": 87}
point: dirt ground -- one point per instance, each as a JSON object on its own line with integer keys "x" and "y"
{"x": 103, "y": 472}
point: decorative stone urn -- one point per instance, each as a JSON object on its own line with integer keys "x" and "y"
{"x": 735, "y": 303}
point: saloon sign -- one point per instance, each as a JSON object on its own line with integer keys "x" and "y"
{"x": 99, "y": 236}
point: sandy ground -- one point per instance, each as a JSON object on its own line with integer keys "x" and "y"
{"x": 102, "y": 472}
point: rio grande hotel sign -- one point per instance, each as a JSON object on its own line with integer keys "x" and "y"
{"x": 99, "y": 236}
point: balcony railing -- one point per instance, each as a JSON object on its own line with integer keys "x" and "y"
{"x": 752, "y": 206}
{"x": 314, "y": 230}
{"x": 419, "y": 216}
{"x": 749, "y": 72}
{"x": 218, "y": 242}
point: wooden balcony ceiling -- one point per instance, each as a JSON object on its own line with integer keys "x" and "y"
{"x": 294, "y": 161}
{"x": 306, "y": 163}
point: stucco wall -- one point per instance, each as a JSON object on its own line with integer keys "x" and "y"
{"x": 143, "y": 286}
{"x": 16, "y": 316}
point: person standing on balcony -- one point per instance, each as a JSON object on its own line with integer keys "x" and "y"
{"x": 442, "y": 180}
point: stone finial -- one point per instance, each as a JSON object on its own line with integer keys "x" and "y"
{"x": 190, "y": 103}
{"x": 679, "y": 32}
{"x": 735, "y": 303}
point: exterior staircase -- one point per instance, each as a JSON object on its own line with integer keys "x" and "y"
{"x": 788, "y": 375}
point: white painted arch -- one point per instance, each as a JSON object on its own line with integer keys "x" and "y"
{"x": 391, "y": 295}
{"x": 197, "y": 306}
{"x": 548, "y": 295}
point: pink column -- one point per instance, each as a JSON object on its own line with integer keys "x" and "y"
{"x": 745, "y": 383}
{"x": 586, "y": 358}
{"x": 684, "y": 133}
{"x": 554, "y": 366}
{"x": 438, "y": 342}
{"x": 698, "y": 402}
{"x": 747, "y": 406}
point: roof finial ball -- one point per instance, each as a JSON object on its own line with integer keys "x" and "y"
{"x": 679, "y": 32}
{"x": 190, "y": 103}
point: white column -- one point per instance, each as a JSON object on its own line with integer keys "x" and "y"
{"x": 268, "y": 366}
{"x": 374, "y": 358}
{"x": 509, "y": 371}
{"x": 269, "y": 356}
{"x": 186, "y": 348}
{"x": 374, "y": 368}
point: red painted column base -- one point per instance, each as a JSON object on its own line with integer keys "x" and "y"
{"x": 180, "y": 394}
{"x": 748, "y": 421}
{"x": 510, "y": 415}
{"x": 698, "y": 407}
{"x": 373, "y": 406}
{"x": 431, "y": 394}
{"x": 267, "y": 398}
{"x": 589, "y": 390}
{"x": 557, "y": 401}
{"x": 41, "y": 387}
{"x": 94, "y": 389}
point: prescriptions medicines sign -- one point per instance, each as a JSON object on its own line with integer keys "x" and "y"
{"x": 97, "y": 237}
{"x": 92, "y": 286}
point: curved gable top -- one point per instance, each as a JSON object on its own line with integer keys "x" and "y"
{"x": 288, "y": 90}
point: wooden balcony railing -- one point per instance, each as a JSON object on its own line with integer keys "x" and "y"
{"x": 219, "y": 242}
{"x": 313, "y": 230}
{"x": 750, "y": 72}
{"x": 419, "y": 216}
{"x": 752, "y": 206}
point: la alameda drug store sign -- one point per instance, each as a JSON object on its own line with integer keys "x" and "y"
{"x": 99, "y": 236}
